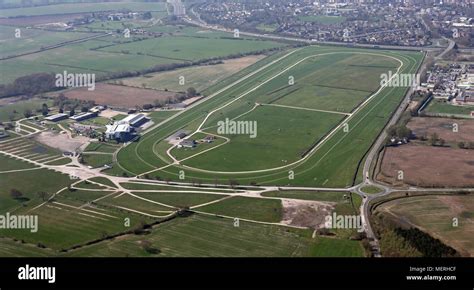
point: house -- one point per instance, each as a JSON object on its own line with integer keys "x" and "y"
{"x": 57, "y": 117}
{"x": 187, "y": 144}
{"x": 120, "y": 132}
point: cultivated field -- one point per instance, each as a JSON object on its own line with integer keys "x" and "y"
{"x": 116, "y": 96}
{"x": 428, "y": 166}
{"x": 445, "y": 128}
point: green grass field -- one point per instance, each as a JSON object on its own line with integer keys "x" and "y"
{"x": 201, "y": 236}
{"x": 434, "y": 214}
{"x": 15, "y": 110}
{"x": 308, "y": 195}
{"x": 440, "y": 107}
{"x": 81, "y": 8}
{"x": 130, "y": 203}
{"x": 200, "y": 77}
{"x": 184, "y": 48}
{"x": 264, "y": 210}
{"x": 9, "y": 164}
{"x": 97, "y": 160}
{"x": 29, "y": 183}
{"x": 30, "y": 40}
{"x": 101, "y": 147}
{"x": 283, "y": 135}
{"x": 159, "y": 116}
{"x": 62, "y": 225}
{"x": 121, "y": 54}
{"x": 180, "y": 200}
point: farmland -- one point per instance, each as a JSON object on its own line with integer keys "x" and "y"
{"x": 419, "y": 166}
{"x": 418, "y": 212}
{"x": 198, "y": 77}
{"x": 82, "y": 8}
{"x": 201, "y": 236}
{"x": 32, "y": 40}
{"x": 16, "y": 109}
{"x": 118, "y": 96}
{"x": 110, "y": 52}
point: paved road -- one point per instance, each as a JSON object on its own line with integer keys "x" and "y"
{"x": 372, "y": 157}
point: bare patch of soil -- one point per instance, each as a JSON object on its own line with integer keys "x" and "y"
{"x": 305, "y": 213}
{"x": 61, "y": 141}
{"x": 118, "y": 96}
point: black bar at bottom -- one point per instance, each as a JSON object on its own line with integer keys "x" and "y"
{"x": 224, "y": 273}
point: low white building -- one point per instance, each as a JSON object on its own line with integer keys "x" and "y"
{"x": 124, "y": 129}
{"x": 120, "y": 132}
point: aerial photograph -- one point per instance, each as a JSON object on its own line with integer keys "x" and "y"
{"x": 142, "y": 133}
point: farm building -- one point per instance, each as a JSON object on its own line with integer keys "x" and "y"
{"x": 83, "y": 116}
{"x": 187, "y": 144}
{"x": 121, "y": 132}
{"x": 135, "y": 120}
{"x": 57, "y": 117}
